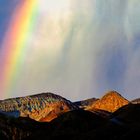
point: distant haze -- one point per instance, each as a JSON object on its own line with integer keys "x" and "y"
{"x": 78, "y": 49}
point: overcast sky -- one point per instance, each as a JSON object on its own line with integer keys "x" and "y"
{"x": 79, "y": 48}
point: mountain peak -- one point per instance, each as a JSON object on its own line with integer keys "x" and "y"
{"x": 111, "y": 101}
{"x": 40, "y": 107}
{"x": 112, "y": 94}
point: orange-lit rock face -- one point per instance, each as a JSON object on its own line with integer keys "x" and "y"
{"x": 54, "y": 111}
{"x": 50, "y": 112}
{"x": 41, "y": 107}
{"x": 110, "y": 102}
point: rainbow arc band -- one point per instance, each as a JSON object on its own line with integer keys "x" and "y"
{"x": 15, "y": 42}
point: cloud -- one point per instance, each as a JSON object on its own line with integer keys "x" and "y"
{"x": 83, "y": 49}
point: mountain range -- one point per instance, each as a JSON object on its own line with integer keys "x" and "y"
{"x": 48, "y": 116}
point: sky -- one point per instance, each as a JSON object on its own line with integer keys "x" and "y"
{"x": 75, "y": 48}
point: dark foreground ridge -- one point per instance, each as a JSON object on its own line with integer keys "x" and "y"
{"x": 77, "y": 123}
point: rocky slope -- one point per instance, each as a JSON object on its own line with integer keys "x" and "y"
{"x": 86, "y": 103}
{"x": 110, "y": 102}
{"x": 40, "y": 107}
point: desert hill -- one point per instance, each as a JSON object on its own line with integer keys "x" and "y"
{"x": 110, "y": 102}
{"x": 40, "y": 107}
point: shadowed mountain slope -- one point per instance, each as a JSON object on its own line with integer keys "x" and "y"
{"x": 128, "y": 113}
{"x": 136, "y": 101}
{"x": 85, "y": 103}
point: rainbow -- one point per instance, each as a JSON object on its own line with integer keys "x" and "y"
{"x": 14, "y": 45}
